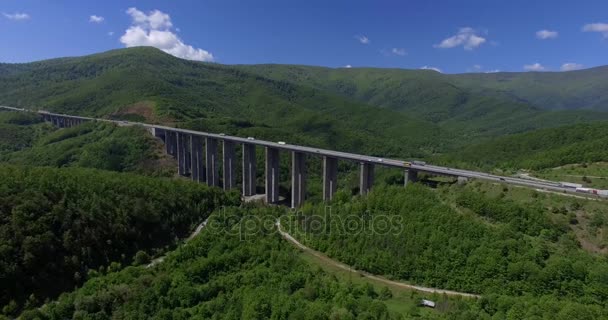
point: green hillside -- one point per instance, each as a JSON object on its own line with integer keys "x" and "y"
{"x": 581, "y": 89}
{"x": 160, "y": 87}
{"x": 394, "y": 112}
{"x": 58, "y": 224}
{"x": 439, "y": 98}
{"x": 547, "y": 148}
{"x": 464, "y": 239}
{"x": 26, "y": 140}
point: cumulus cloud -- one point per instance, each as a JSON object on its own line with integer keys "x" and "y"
{"x": 546, "y": 34}
{"x": 111, "y": 33}
{"x": 570, "y": 66}
{"x": 363, "y": 39}
{"x": 96, "y": 19}
{"x": 430, "y": 68}
{"x": 466, "y": 37}
{"x": 348, "y": 66}
{"x": 477, "y": 68}
{"x": 155, "y": 29}
{"x": 597, "y": 27}
{"x": 17, "y": 16}
{"x": 398, "y": 51}
{"x": 534, "y": 67}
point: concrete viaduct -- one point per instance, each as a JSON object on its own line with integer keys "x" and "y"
{"x": 198, "y": 157}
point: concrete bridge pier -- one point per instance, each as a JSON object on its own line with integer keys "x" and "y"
{"x": 272, "y": 175}
{"x": 330, "y": 177}
{"x": 298, "y": 178}
{"x": 249, "y": 170}
{"x": 366, "y": 177}
{"x": 171, "y": 143}
{"x": 228, "y": 162}
{"x": 411, "y": 176}
{"x": 160, "y": 133}
{"x": 181, "y": 153}
{"x": 212, "y": 170}
{"x": 197, "y": 162}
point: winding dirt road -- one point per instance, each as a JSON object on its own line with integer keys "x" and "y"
{"x": 368, "y": 275}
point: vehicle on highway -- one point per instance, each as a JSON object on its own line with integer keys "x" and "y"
{"x": 419, "y": 163}
{"x": 502, "y": 179}
{"x": 570, "y": 185}
{"x": 281, "y": 142}
{"x": 379, "y": 160}
{"x": 250, "y": 138}
{"x": 407, "y": 164}
{"x": 222, "y": 134}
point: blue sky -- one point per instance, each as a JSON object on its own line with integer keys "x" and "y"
{"x": 453, "y": 36}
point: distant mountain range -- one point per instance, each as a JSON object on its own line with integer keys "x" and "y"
{"x": 379, "y": 111}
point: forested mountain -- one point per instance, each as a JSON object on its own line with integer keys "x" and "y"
{"x": 58, "y": 224}
{"x": 382, "y": 111}
{"x": 546, "y": 148}
{"x": 453, "y": 101}
{"x": 522, "y": 260}
{"x": 25, "y": 139}
{"x": 409, "y": 89}
{"x": 580, "y": 89}
{"x": 221, "y": 275}
{"x": 168, "y": 89}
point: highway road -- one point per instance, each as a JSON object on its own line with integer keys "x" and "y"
{"x": 393, "y": 163}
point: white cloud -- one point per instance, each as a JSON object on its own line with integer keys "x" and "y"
{"x": 111, "y": 33}
{"x": 16, "y": 16}
{"x": 398, "y": 51}
{"x": 597, "y": 27}
{"x": 348, "y": 66}
{"x": 570, "y": 66}
{"x": 430, "y": 68}
{"x": 363, "y": 39}
{"x": 534, "y": 67}
{"x": 477, "y": 68}
{"x": 466, "y": 37}
{"x": 546, "y": 34}
{"x": 96, "y": 19}
{"x": 155, "y": 29}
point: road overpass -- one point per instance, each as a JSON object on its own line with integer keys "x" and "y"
{"x": 197, "y": 156}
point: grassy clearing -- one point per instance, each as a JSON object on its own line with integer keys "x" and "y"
{"x": 594, "y": 175}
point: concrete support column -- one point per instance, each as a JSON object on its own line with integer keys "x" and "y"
{"x": 272, "y": 175}
{"x": 298, "y": 179}
{"x": 188, "y": 158}
{"x": 212, "y": 169}
{"x": 181, "y": 153}
{"x": 68, "y": 122}
{"x": 366, "y": 177}
{"x": 411, "y": 176}
{"x": 228, "y": 161}
{"x": 160, "y": 133}
{"x": 249, "y": 170}
{"x": 61, "y": 121}
{"x": 171, "y": 143}
{"x": 197, "y": 160}
{"x": 330, "y": 177}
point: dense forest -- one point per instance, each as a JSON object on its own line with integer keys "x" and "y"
{"x": 218, "y": 275}
{"x": 478, "y": 244}
{"x": 27, "y": 140}
{"x": 58, "y": 224}
{"x": 547, "y": 148}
